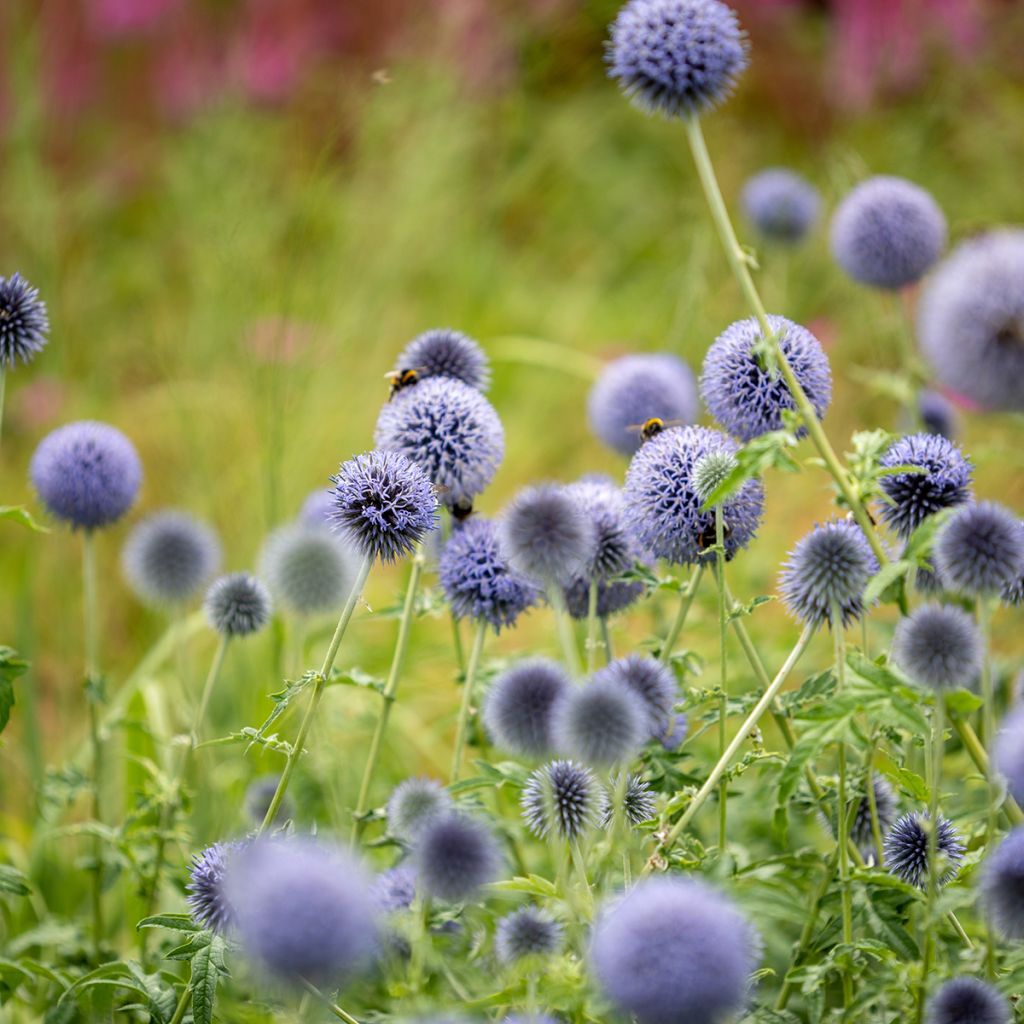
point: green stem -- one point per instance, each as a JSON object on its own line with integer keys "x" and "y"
{"x": 606, "y": 641}
{"x": 467, "y": 696}
{"x": 419, "y": 946}
{"x": 842, "y": 824}
{"x": 686, "y": 597}
{"x": 592, "y": 642}
{"x": 988, "y": 721}
{"x": 325, "y": 1000}
{"x": 90, "y": 619}
{"x": 179, "y": 1010}
{"x": 976, "y": 752}
{"x": 318, "y": 691}
{"x": 723, "y": 706}
{"x": 937, "y": 745}
{"x": 3, "y": 388}
{"x": 566, "y": 636}
{"x": 869, "y": 790}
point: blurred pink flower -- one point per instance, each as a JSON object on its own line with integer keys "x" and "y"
{"x": 111, "y": 18}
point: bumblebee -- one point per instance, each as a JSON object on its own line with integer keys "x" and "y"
{"x": 402, "y": 379}
{"x": 706, "y": 537}
{"x": 462, "y": 510}
{"x": 652, "y": 427}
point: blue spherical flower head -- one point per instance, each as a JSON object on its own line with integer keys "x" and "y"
{"x": 442, "y": 352}
{"x": 662, "y": 498}
{"x": 478, "y": 581}
{"x": 86, "y": 474}
{"x": 887, "y": 232}
{"x": 168, "y": 557}
{"x": 316, "y": 509}
{"x": 602, "y": 723}
{"x": 258, "y": 796}
{"x": 394, "y": 890}
{"x": 653, "y": 682}
{"x": 676, "y": 57}
{"x": 207, "y": 900}
{"x": 1009, "y": 752}
{"x": 861, "y": 831}
{"x": 937, "y": 414}
{"x": 971, "y": 320}
{"x": 448, "y": 429}
{"x": 968, "y": 1000}
{"x": 980, "y": 550}
{"x": 906, "y": 849}
{"x": 415, "y": 803}
{"x": 384, "y": 505}
{"x": 828, "y": 569}
{"x": 527, "y": 932}
{"x": 672, "y": 734}
{"x": 519, "y": 708}
{"x": 455, "y": 856}
{"x": 309, "y": 570}
{"x": 637, "y": 801}
{"x": 943, "y": 480}
{"x": 24, "y": 325}
{"x": 634, "y": 389}
{"x": 1002, "y": 885}
{"x": 303, "y": 910}
{"x": 782, "y": 205}
{"x": 744, "y": 397}
{"x": 939, "y": 646}
{"x": 237, "y": 605}
{"x": 562, "y": 797}
{"x": 674, "y": 950}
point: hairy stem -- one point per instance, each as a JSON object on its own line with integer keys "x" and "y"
{"x": 842, "y": 824}
{"x": 592, "y": 641}
{"x": 988, "y": 723}
{"x": 686, "y": 596}
{"x": 90, "y": 622}
{"x": 467, "y": 696}
{"x": 566, "y": 636}
{"x": 723, "y": 705}
{"x": 937, "y": 745}
{"x": 327, "y": 1003}
{"x": 179, "y": 1010}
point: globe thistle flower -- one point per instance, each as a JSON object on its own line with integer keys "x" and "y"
{"x": 303, "y": 910}
{"x": 1002, "y": 885}
{"x": 563, "y": 797}
{"x": 450, "y": 431}
{"x": 1008, "y": 752}
{"x": 602, "y": 723}
{"x": 384, "y": 505}
{"x": 546, "y": 535}
{"x": 258, "y": 796}
{"x": 674, "y": 950}
{"x": 711, "y": 472}
{"x": 527, "y": 932}
{"x": 746, "y": 398}
{"x": 887, "y": 232}
{"x": 316, "y": 509}
{"x": 86, "y": 474}
{"x": 980, "y": 549}
{"x": 938, "y": 646}
{"x": 309, "y": 570}
{"x": 637, "y": 801}
{"x": 477, "y": 579}
{"x": 24, "y": 325}
{"x": 676, "y": 58}
{"x": 937, "y": 414}
{"x": 662, "y": 498}
{"x": 968, "y": 1000}
{"x": 634, "y": 389}
{"x": 415, "y": 803}
{"x": 237, "y": 605}
{"x": 455, "y": 856}
{"x": 442, "y": 352}
{"x": 653, "y": 682}
{"x": 783, "y": 206}
{"x": 394, "y": 890}
{"x": 885, "y": 808}
{"x": 168, "y": 557}
{"x": 945, "y": 480}
{"x": 906, "y": 849}
{"x": 672, "y": 734}
{"x": 518, "y": 711}
{"x": 207, "y": 901}
{"x": 970, "y": 320}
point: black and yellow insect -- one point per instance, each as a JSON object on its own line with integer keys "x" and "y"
{"x": 652, "y": 427}
{"x": 402, "y": 379}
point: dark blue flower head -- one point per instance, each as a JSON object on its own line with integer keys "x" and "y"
{"x": 829, "y": 567}
{"x": 1013, "y": 592}
{"x": 237, "y": 605}
{"x": 944, "y": 482}
{"x": 602, "y": 723}
{"x": 442, "y": 352}
{"x": 676, "y": 57}
{"x": 316, "y": 509}
{"x": 477, "y": 579}
{"x": 455, "y": 856}
{"x": 520, "y": 705}
{"x": 661, "y": 497}
{"x": 938, "y": 646}
{"x": 885, "y": 808}
{"x": 384, "y": 504}
{"x": 527, "y": 932}
{"x": 394, "y": 889}
{"x": 674, "y": 950}
{"x": 782, "y": 205}
{"x": 887, "y": 232}
{"x": 906, "y": 849}
{"x": 168, "y": 557}
{"x": 673, "y": 732}
{"x": 309, "y": 570}
{"x": 968, "y": 1000}
{"x": 971, "y": 320}
{"x": 414, "y": 803}
{"x": 24, "y": 325}
{"x": 744, "y": 397}
{"x": 937, "y": 413}
{"x": 634, "y": 389}
{"x": 86, "y": 474}
{"x": 653, "y": 682}
{"x": 448, "y": 429}
{"x": 1009, "y": 752}
{"x": 207, "y": 901}
{"x": 562, "y": 797}
{"x": 258, "y": 796}
{"x": 1002, "y": 885}
{"x": 980, "y": 549}
{"x": 637, "y": 801}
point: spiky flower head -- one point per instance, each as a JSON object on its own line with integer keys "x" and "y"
{"x": 676, "y": 57}
{"x": 887, "y": 232}
{"x": 943, "y": 480}
{"x": 653, "y": 682}
{"x": 527, "y": 932}
{"x": 829, "y": 568}
{"x": 519, "y": 708}
{"x": 443, "y": 352}
{"x": 207, "y": 901}
{"x": 1009, "y": 752}
{"x": 563, "y": 797}
{"x": 938, "y": 646}
{"x": 674, "y": 950}
{"x": 748, "y": 399}
{"x": 885, "y": 808}
{"x": 384, "y": 505}
{"x": 634, "y": 389}
{"x": 168, "y": 557}
{"x": 970, "y": 320}
{"x": 413, "y": 804}
{"x": 662, "y": 498}
{"x": 1002, "y": 885}
{"x": 968, "y": 1000}
{"x": 937, "y": 413}
{"x": 308, "y": 568}
{"x": 711, "y": 472}
{"x": 782, "y": 205}
{"x": 24, "y": 324}
{"x": 394, "y": 889}
{"x": 546, "y": 535}
{"x": 980, "y": 549}
{"x": 1013, "y": 592}
{"x": 906, "y": 849}
{"x": 478, "y": 581}
{"x": 448, "y": 429}
{"x": 673, "y": 732}
{"x": 258, "y": 795}
{"x": 455, "y": 856}
{"x": 86, "y": 474}
{"x": 637, "y": 801}
{"x": 237, "y": 605}
{"x": 302, "y": 909}
{"x": 316, "y": 509}
{"x": 602, "y": 723}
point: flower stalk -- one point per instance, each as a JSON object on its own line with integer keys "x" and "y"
{"x": 472, "y": 668}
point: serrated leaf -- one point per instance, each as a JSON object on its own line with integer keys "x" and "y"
{"x": 11, "y": 666}
{"x": 963, "y": 702}
{"x": 358, "y": 678}
{"x": 885, "y": 578}
{"x": 176, "y": 922}
{"x": 20, "y": 514}
{"x": 533, "y": 884}
{"x": 207, "y": 967}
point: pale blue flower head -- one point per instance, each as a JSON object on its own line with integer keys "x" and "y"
{"x": 782, "y": 205}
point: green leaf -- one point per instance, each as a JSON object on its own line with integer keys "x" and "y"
{"x": 963, "y": 702}
{"x": 533, "y": 884}
{"x": 768, "y": 451}
{"x": 13, "y": 881}
{"x": 21, "y": 515}
{"x": 357, "y": 677}
{"x": 906, "y": 780}
{"x": 207, "y": 967}
{"x": 11, "y": 666}
{"x": 176, "y": 922}
{"x": 884, "y": 579}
